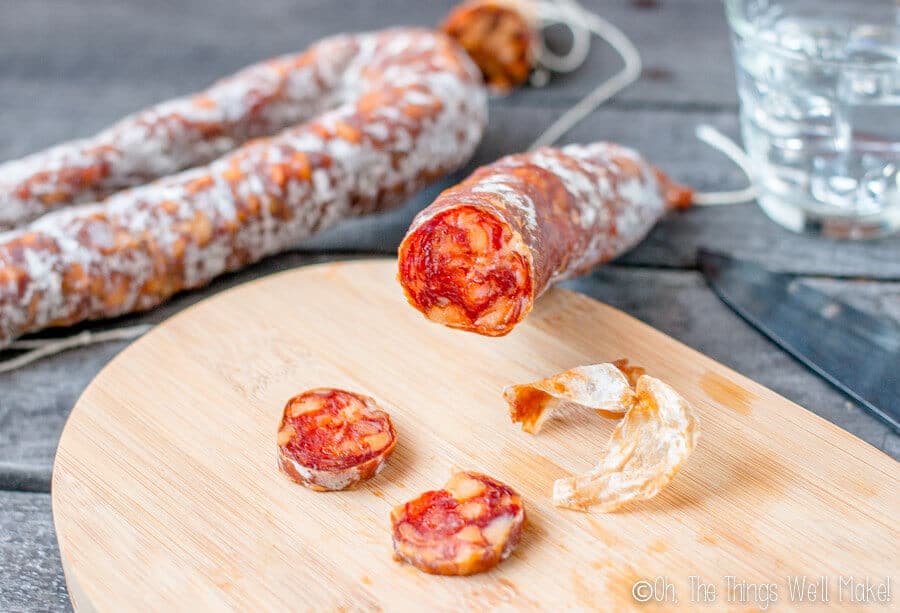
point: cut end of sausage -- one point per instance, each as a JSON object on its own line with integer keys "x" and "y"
{"x": 468, "y": 527}
{"x": 499, "y": 36}
{"x": 330, "y": 439}
{"x": 467, "y": 269}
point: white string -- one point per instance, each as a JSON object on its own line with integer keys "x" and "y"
{"x": 581, "y": 37}
{"x": 572, "y": 15}
{"x": 41, "y": 348}
{"x": 722, "y": 143}
{"x": 581, "y": 23}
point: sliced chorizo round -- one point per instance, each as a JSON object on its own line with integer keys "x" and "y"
{"x": 331, "y": 439}
{"x": 468, "y": 527}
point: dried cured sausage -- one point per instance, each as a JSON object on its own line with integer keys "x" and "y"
{"x": 419, "y": 113}
{"x": 479, "y": 256}
{"x": 258, "y": 101}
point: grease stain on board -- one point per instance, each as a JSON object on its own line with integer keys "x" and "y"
{"x": 601, "y": 564}
{"x": 729, "y": 540}
{"x": 225, "y": 576}
{"x": 582, "y": 592}
{"x": 609, "y": 582}
{"x": 727, "y": 393}
{"x": 533, "y": 469}
{"x": 658, "y": 546}
{"x": 534, "y": 534}
{"x": 862, "y": 488}
{"x": 492, "y": 596}
{"x": 604, "y": 534}
{"x": 619, "y": 584}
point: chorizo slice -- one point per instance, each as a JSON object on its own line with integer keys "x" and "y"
{"x": 331, "y": 439}
{"x": 468, "y": 527}
{"x": 480, "y": 255}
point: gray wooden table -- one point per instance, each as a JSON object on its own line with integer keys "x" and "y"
{"x": 69, "y": 68}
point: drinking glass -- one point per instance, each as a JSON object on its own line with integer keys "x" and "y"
{"x": 819, "y": 84}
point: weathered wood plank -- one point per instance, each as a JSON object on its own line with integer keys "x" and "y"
{"x": 24, "y": 476}
{"x": 38, "y": 398}
{"x": 31, "y": 577}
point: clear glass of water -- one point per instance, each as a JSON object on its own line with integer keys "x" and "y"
{"x": 819, "y": 83}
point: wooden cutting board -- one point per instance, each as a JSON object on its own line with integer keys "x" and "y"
{"x": 166, "y": 495}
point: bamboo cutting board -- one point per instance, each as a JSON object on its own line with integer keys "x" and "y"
{"x": 166, "y": 495}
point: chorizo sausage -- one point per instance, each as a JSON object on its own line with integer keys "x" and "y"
{"x": 260, "y": 100}
{"x": 468, "y": 527}
{"x": 419, "y": 113}
{"x": 480, "y": 255}
{"x": 331, "y": 439}
{"x": 176, "y": 134}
